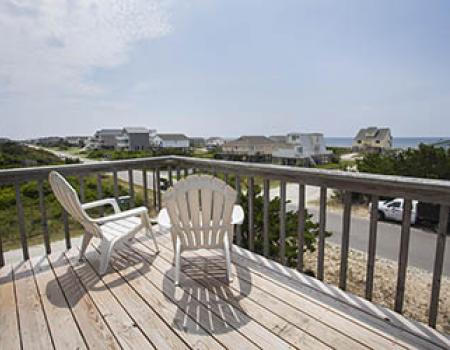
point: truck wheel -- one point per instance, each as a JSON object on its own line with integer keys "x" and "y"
{"x": 381, "y": 215}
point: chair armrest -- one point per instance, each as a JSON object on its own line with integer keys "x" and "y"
{"x": 102, "y": 202}
{"x": 163, "y": 219}
{"x": 237, "y": 217}
{"x": 122, "y": 215}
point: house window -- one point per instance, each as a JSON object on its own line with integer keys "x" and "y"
{"x": 300, "y": 149}
{"x": 359, "y": 141}
{"x": 377, "y": 141}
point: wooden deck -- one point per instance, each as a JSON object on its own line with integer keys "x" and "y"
{"x": 58, "y": 302}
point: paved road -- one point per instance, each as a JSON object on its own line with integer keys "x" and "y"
{"x": 422, "y": 242}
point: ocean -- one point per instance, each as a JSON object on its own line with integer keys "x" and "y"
{"x": 399, "y": 142}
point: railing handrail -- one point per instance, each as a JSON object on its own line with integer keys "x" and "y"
{"x": 428, "y": 190}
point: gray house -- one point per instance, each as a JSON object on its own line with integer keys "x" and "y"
{"x": 104, "y": 138}
{"x": 372, "y": 139}
{"x": 133, "y": 139}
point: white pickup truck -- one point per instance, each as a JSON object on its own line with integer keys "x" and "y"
{"x": 393, "y": 210}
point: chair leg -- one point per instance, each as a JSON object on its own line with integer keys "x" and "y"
{"x": 106, "y": 250}
{"x": 177, "y": 263}
{"x": 84, "y": 244}
{"x": 228, "y": 260}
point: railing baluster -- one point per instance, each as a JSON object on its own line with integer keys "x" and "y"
{"x": 178, "y": 174}
{"x": 372, "y": 247}
{"x": 66, "y": 229}
{"x": 158, "y": 189}
{"x": 131, "y": 187}
{"x": 403, "y": 256}
{"x": 322, "y": 228}
{"x": 346, "y": 221}
{"x": 225, "y": 177}
{"x": 115, "y": 185}
{"x": 250, "y": 194}
{"x": 301, "y": 226}
{"x": 23, "y": 234}
{"x": 2, "y": 257}
{"x": 100, "y": 193}
{"x": 155, "y": 192}
{"x": 238, "y": 200}
{"x": 169, "y": 174}
{"x": 186, "y": 172}
{"x": 81, "y": 181}
{"x": 438, "y": 264}
{"x": 266, "y": 216}
{"x": 283, "y": 222}
{"x": 43, "y": 217}
{"x": 144, "y": 183}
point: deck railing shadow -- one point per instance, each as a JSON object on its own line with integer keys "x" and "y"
{"x": 204, "y": 295}
{"x": 350, "y": 305}
{"x": 86, "y": 271}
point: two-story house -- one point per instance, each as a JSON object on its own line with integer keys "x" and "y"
{"x": 372, "y": 139}
{"x": 133, "y": 139}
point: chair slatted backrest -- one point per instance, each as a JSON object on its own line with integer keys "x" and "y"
{"x": 68, "y": 198}
{"x": 200, "y": 209}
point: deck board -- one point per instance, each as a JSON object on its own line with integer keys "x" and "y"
{"x": 59, "y": 302}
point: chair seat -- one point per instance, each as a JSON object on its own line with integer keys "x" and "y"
{"x": 116, "y": 229}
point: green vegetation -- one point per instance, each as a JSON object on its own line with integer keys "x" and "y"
{"x": 13, "y": 155}
{"x": 117, "y": 155}
{"x": 311, "y": 228}
{"x": 426, "y": 162}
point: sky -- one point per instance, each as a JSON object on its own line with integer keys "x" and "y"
{"x": 228, "y": 68}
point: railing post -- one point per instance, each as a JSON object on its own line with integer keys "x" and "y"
{"x": 322, "y": 228}
{"x": 23, "y": 234}
{"x": 250, "y": 194}
{"x": 81, "y": 181}
{"x": 158, "y": 189}
{"x": 43, "y": 216}
{"x": 115, "y": 185}
{"x": 131, "y": 187}
{"x": 403, "y": 256}
{"x": 283, "y": 222}
{"x": 300, "y": 226}
{"x": 438, "y": 264}
{"x": 346, "y": 220}
{"x": 372, "y": 247}
{"x": 66, "y": 229}
{"x": 2, "y": 257}
{"x": 169, "y": 174}
{"x": 266, "y": 217}
{"x": 155, "y": 192}
{"x": 238, "y": 227}
{"x": 144, "y": 183}
{"x": 100, "y": 192}
{"x": 178, "y": 174}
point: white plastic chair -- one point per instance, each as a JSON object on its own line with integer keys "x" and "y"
{"x": 112, "y": 230}
{"x": 200, "y": 213}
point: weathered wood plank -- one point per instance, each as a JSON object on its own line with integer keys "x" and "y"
{"x": 100, "y": 192}
{"x": 2, "y": 255}
{"x": 372, "y": 247}
{"x": 82, "y": 192}
{"x": 95, "y": 331}
{"x": 403, "y": 256}
{"x": 34, "y": 331}
{"x": 66, "y": 228}
{"x": 151, "y": 309}
{"x": 155, "y": 196}
{"x": 43, "y": 213}
{"x": 120, "y": 323}
{"x": 115, "y": 185}
{"x": 64, "y": 329}
{"x": 377, "y": 319}
{"x": 346, "y": 220}
{"x": 301, "y": 226}
{"x": 158, "y": 190}
{"x": 282, "y": 241}
{"x": 216, "y": 299}
{"x": 251, "y": 208}
{"x": 9, "y": 324}
{"x": 21, "y": 219}
{"x": 322, "y": 228}
{"x": 266, "y": 217}
{"x": 438, "y": 264}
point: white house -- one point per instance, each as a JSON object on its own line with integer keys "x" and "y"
{"x": 302, "y": 148}
{"x": 172, "y": 141}
{"x": 214, "y": 142}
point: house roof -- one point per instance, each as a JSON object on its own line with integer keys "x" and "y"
{"x": 112, "y": 132}
{"x": 373, "y": 133}
{"x": 251, "y": 140}
{"x": 177, "y": 137}
{"x": 136, "y": 130}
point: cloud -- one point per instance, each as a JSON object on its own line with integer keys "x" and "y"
{"x": 50, "y": 47}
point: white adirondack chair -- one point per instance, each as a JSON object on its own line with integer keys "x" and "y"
{"x": 200, "y": 213}
{"x": 113, "y": 230}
